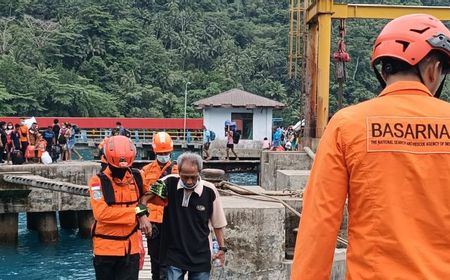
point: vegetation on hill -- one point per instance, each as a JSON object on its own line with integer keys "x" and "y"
{"x": 133, "y": 58}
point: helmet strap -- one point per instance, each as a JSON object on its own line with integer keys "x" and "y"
{"x": 441, "y": 86}
{"x": 420, "y": 74}
{"x": 379, "y": 77}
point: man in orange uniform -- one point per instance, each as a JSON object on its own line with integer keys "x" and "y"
{"x": 114, "y": 198}
{"x": 162, "y": 166}
{"x": 390, "y": 156}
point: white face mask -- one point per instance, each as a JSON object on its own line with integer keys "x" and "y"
{"x": 189, "y": 188}
{"x": 163, "y": 159}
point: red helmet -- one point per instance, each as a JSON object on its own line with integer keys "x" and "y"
{"x": 119, "y": 151}
{"x": 410, "y": 38}
{"x": 162, "y": 143}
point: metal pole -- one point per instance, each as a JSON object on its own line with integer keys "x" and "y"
{"x": 185, "y": 105}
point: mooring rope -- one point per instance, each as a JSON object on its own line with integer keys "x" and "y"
{"x": 268, "y": 198}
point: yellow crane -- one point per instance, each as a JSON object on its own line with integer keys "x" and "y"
{"x": 310, "y": 48}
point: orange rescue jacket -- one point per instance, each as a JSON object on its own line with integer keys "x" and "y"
{"x": 23, "y": 130}
{"x": 117, "y": 219}
{"x": 152, "y": 172}
{"x": 391, "y": 157}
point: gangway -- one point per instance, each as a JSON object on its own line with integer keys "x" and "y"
{"x": 35, "y": 181}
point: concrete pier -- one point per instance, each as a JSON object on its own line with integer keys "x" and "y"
{"x": 9, "y": 223}
{"x": 271, "y": 162}
{"x": 245, "y": 149}
{"x": 68, "y": 219}
{"x": 85, "y": 221}
{"x": 288, "y": 179}
{"x": 255, "y": 238}
{"x": 47, "y": 226}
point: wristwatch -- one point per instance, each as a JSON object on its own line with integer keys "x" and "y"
{"x": 223, "y": 249}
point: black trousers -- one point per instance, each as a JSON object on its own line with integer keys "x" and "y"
{"x": 2, "y": 153}
{"x": 117, "y": 267}
{"x": 154, "y": 244}
{"x": 24, "y": 147}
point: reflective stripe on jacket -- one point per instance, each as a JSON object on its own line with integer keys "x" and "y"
{"x": 152, "y": 172}
{"x": 391, "y": 157}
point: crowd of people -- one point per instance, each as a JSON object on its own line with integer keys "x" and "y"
{"x": 232, "y": 138}
{"x": 283, "y": 139}
{"x": 26, "y": 142}
{"x": 164, "y": 201}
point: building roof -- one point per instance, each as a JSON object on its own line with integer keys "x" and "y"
{"x": 237, "y": 98}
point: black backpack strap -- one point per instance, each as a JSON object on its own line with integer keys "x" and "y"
{"x": 168, "y": 170}
{"x": 113, "y": 237}
{"x": 107, "y": 189}
{"x": 138, "y": 179}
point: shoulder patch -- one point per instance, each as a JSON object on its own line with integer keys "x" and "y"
{"x": 97, "y": 194}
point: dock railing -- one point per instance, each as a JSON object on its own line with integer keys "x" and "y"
{"x": 139, "y": 135}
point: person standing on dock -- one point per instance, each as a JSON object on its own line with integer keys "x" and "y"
{"x": 230, "y": 144}
{"x": 206, "y": 142}
{"x": 114, "y": 195}
{"x": 162, "y": 147}
{"x": 191, "y": 205}
{"x": 390, "y": 157}
{"x": 24, "y": 137}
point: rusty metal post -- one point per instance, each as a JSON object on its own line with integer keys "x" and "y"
{"x": 310, "y": 84}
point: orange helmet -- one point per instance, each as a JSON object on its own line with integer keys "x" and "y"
{"x": 119, "y": 151}
{"x": 162, "y": 143}
{"x": 410, "y": 38}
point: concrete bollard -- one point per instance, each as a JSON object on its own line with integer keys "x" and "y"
{"x": 47, "y": 226}
{"x": 68, "y": 219}
{"x": 9, "y": 226}
{"x": 32, "y": 220}
{"x": 213, "y": 175}
{"x": 85, "y": 221}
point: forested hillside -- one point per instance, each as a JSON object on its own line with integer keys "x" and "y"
{"x": 132, "y": 58}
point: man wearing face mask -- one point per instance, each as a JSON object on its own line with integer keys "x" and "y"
{"x": 191, "y": 205}
{"x": 118, "y": 215}
{"x": 162, "y": 147}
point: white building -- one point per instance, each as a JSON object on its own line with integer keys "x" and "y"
{"x": 252, "y": 113}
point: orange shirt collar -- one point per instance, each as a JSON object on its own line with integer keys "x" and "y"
{"x": 406, "y": 87}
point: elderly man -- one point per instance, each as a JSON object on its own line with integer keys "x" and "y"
{"x": 191, "y": 204}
